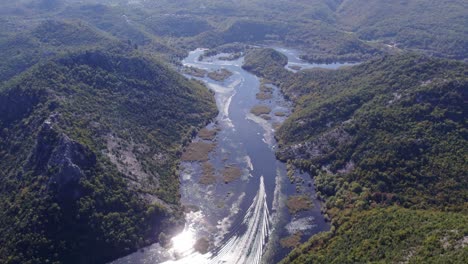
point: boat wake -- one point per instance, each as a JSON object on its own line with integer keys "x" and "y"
{"x": 246, "y": 245}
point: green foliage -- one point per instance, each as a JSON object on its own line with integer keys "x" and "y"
{"x": 387, "y": 132}
{"x": 68, "y": 128}
{"x": 64, "y": 33}
{"x": 177, "y": 26}
{"x": 391, "y": 235}
{"x": 19, "y": 51}
{"x": 435, "y": 26}
{"x": 393, "y": 125}
{"x": 267, "y": 63}
{"x": 325, "y": 30}
{"x": 392, "y": 131}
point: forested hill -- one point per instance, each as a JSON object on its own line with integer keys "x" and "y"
{"x": 325, "y": 30}
{"x": 395, "y": 127}
{"x": 436, "y": 27}
{"x": 389, "y": 132}
{"x": 24, "y": 48}
{"x": 88, "y": 150}
{"x": 389, "y": 235}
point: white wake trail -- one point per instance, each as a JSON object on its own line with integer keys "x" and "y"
{"x": 248, "y": 247}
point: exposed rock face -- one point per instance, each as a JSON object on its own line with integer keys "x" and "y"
{"x": 63, "y": 160}
{"x": 70, "y": 160}
{"x": 124, "y": 155}
{"x": 318, "y": 147}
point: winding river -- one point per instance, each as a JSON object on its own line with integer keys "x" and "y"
{"x": 245, "y": 219}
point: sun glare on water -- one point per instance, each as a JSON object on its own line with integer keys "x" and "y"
{"x": 184, "y": 241}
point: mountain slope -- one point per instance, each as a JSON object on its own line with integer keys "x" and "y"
{"x": 67, "y": 33}
{"x": 437, "y": 27}
{"x": 391, "y": 235}
{"x": 325, "y": 30}
{"x": 389, "y": 132}
{"x": 395, "y": 126}
{"x": 89, "y": 147}
{"x": 23, "y": 49}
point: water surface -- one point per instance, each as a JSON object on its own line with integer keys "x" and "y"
{"x": 243, "y": 220}
{"x": 295, "y": 63}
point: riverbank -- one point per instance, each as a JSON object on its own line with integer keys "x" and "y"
{"x": 238, "y": 187}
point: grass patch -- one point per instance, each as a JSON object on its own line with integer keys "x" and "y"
{"x": 299, "y": 203}
{"x": 264, "y": 95}
{"x": 231, "y": 173}
{"x": 291, "y": 241}
{"x": 207, "y": 134}
{"x": 280, "y": 114}
{"x": 220, "y": 75}
{"x": 208, "y": 174}
{"x": 197, "y": 72}
{"x": 266, "y": 117}
{"x": 260, "y": 110}
{"x": 198, "y": 151}
{"x": 264, "y": 88}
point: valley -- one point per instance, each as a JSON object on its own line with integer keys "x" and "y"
{"x": 244, "y": 219}
{"x": 249, "y": 131}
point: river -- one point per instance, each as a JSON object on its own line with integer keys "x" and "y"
{"x": 295, "y": 63}
{"x": 245, "y": 219}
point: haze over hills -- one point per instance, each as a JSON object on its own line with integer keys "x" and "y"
{"x": 322, "y": 29}
{"x": 95, "y": 115}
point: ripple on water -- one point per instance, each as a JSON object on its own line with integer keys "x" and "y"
{"x": 301, "y": 224}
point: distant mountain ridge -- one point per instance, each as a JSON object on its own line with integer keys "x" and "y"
{"x": 325, "y": 30}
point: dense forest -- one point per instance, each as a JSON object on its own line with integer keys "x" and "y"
{"x": 390, "y": 235}
{"x": 391, "y": 126}
{"x": 89, "y": 146}
{"x": 389, "y": 132}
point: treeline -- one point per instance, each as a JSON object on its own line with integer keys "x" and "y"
{"x": 326, "y": 31}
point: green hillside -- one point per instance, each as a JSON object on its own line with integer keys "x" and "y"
{"x": 391, "y": 235}
{"x": 437, "y": 27}
{"x": 67, "y": 33}
{"x": 389, "y": 132}
{"x": 89, "y": 147}
{"x": 21, "y": 50}
{"x": 394, "y": 129}
{"x": 325, "y": 30}
{"x": 265, "y": 62}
